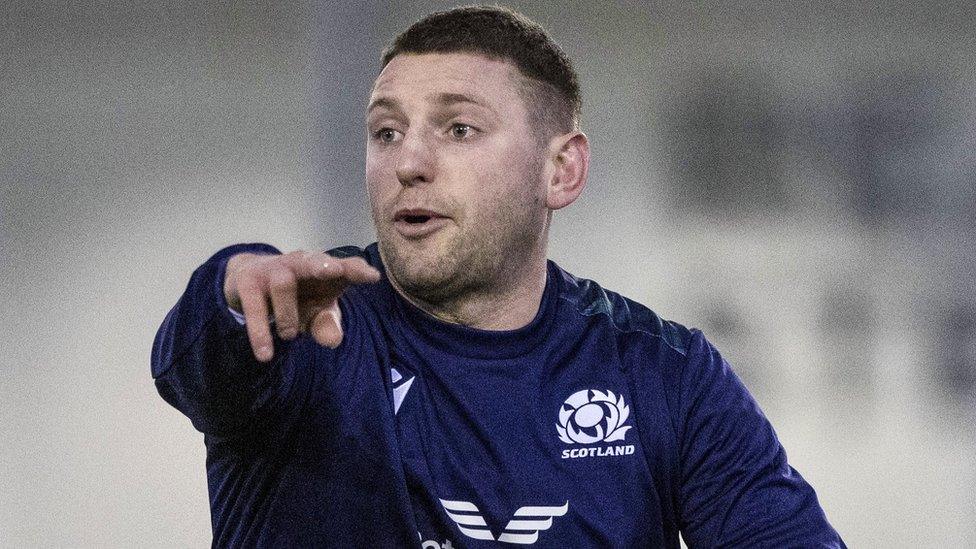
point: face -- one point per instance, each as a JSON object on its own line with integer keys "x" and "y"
{"x": 454, "y": 174}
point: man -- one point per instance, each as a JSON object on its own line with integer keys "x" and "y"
{"x": 449, "y": 387}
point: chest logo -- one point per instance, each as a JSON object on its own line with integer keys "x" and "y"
{"x": 400, "y": 387}
{"x": 590, "y": 417}
{"x": 523, "y": 529}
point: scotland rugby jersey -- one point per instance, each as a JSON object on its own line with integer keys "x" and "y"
{"x": 596, "y": 425}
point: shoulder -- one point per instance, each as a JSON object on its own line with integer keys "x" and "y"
{"x": 626, "y": 316}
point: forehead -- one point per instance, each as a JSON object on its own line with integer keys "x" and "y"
{"x": 412, "y": 76}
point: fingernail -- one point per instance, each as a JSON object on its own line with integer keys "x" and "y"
{"x": 263, "y": 353}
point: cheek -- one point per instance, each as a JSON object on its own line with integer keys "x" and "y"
{"x": 377, "y": 201}
{"x": 519, "y": 180}
{"x": 377, "y": 190}
{"x": 503, "y": 201}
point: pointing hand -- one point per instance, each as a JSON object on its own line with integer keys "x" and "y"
{"x": 300, "y": 289}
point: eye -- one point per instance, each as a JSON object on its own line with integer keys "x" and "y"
{"x": 460, "y": 131}
{"x": 386, "y": 135}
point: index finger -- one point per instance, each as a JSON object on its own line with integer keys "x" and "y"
{"x": 357, "y": 271}
{"x": 326, "y": 267}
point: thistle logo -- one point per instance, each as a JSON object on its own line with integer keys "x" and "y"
{"x": 590, "y": 416}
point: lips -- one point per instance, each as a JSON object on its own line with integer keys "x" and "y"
{"x": 418, "y": 222}
{"x": 415, "y": 215}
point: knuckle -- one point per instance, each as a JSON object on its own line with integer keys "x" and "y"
{"x": 250, "y": 264}
{"x": 246, "y": 285}
{"x": 286, "y": 316}
{"x": 287, "y": 330}
{"x": 281, "y": 280}
{"x": 291, "y": 258}
{"x": 286, "y": 323}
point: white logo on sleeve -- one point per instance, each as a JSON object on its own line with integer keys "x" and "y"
{"x": 590, "y": 416}
{"x": 523, "y": 529}
{"x": 400, "y": 388}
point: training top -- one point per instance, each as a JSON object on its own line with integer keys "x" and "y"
{"x": 596, "y": 425}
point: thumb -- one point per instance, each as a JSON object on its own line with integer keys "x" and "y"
{"x": 326, "y": 326}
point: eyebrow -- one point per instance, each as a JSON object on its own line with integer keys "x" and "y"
{"x": 383, "y": 102}
{"x": 448, "y": 99}
{"x": 442, "y": 99}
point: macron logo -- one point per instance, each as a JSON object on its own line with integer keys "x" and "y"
{"x": 400, "y": 388}
{"x": 523, "y": 529}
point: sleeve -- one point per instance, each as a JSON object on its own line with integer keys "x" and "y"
{"x": 202, "y": 362}
{"x": 737, "y": 489}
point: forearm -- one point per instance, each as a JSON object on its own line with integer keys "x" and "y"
{"x": 201, "y": 360}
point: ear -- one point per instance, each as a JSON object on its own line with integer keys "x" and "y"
{"x": 569, "y": 155}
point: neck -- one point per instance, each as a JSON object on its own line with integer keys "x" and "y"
{"x": 508, "y": 304}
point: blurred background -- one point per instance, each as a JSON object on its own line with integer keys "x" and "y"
{"x": 799, "y": 182}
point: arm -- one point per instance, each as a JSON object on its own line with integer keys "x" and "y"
{"x": 737, "y": 489}
{"x": 201, "y": 360}
{"x": 227, "y": 377}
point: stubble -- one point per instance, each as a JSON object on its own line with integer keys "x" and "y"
{"x": 483, "y": 258}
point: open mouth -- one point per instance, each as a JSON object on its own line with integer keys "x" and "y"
{"x": 415, "y": 216}
{"x": 415, "y": 223}
{"x": 414, "y": 219}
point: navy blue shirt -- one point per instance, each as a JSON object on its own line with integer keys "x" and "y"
{"x": 597, "y": 425}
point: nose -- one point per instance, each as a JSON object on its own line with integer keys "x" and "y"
{"x": 415, "y": 162}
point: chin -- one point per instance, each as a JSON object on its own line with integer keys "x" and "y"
{"x": 417, "y": 270}
{"x": 431, "y": 282}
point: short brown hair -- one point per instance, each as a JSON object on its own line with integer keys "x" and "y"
{"x": 551, "y": 92}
